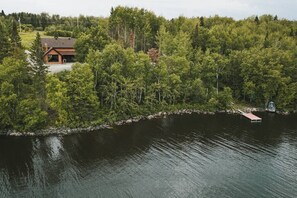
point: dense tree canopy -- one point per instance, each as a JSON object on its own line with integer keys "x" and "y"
{"x": 135, "y": 62}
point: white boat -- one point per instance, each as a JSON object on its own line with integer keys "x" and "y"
{"x": 270, "y": 107}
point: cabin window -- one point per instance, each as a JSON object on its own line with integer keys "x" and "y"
{"x": 53, "y": 58}
{"x": 68, "y": 58}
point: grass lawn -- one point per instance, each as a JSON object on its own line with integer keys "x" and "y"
{"x": 29, "y": 37}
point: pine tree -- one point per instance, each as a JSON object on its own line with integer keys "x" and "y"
{"x": 275, "y": 18}
{"x": 38, "y": 68}
{"x": 201, "y": 21}
{"x": 36, "y": 55}
{"x": 195, "y": 39}
{"x": 14, "y": 36}
{"x": 257, "y": 20}
{"x": 4, "y": 42}
{"x": 2, "y": 13}
{"x": 292, "y": 33}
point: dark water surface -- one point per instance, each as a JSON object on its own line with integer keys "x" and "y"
{"x": 179, "y": 156}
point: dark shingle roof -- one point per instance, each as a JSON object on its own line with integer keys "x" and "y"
{"x": 58, "y": 42}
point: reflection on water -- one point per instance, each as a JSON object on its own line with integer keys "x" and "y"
{"x": 179, "y": 156}
{"x": 54, "y": 147}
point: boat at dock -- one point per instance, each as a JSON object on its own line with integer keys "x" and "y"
{"x": 270, "y": 107}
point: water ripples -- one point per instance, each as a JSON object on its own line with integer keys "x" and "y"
{"x": 219, "y": 156}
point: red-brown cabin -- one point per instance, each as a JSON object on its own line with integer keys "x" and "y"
{"x": 58, "y": 50}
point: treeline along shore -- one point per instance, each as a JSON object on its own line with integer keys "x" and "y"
{"x": 135, "y": 63}
{"x": 109, "y": 125}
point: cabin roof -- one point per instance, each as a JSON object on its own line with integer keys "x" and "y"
{"x": 51, "y": 49}
{"x": 60, "y": 52}
{"x": 58, "y": 42}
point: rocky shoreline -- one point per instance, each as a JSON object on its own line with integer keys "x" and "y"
{"x": 70, "y": 131}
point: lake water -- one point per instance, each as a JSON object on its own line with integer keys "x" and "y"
{"x": 178, "y": 156}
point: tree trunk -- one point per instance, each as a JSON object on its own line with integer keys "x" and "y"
{"x": 134, "y": 38}
{"x": 125, "y": 34}
{"x": 217, "y": 76}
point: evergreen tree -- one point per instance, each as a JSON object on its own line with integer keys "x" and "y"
{"x": 201, "y": 21}
{"x": 4, "y": 42}
{"x": 2, "y": 13}
{"x": 36, "y": 55}
{"x": 257, "y": 20}
{"x": 255, "y": 57}
{"x": 16, "y": 49}
{"x": 44, "y": 17}
{"x": 292, "y": 32}
{"x": 14, "y": 36}
{"x": 38, "y": 68}
{"x": 275, "y": 18}
{"x": 195, "y": 39}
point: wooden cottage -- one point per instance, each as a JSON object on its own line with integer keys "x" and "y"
{"x": 58, "y": 50}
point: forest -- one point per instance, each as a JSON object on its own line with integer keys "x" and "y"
{"x": 136, "y": 63}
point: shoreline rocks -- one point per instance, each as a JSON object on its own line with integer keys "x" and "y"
{"x": 69, "y": 131}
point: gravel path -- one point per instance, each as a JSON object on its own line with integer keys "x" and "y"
{"x": 55, "y": 68}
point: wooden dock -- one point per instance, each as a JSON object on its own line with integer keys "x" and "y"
{"x": 250, "y": 116}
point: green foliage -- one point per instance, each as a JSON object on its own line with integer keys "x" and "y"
{"x": 225, "y": 99}
{"x": 58, "y": 33}
{"x": 72, "y": 98}
{"x": 18, "y": 109}
{"x": 134, "y": 27}
{"x": 38, "y": 70}
{"x": 83, "y": 102}
{"x": 8, "y": 102}
{"x": 30, "y": 116}
{"x": 262, "y": 73}
{"x": 2, "y": 13}
{"x": 195, "y": 38}
{"x": 16, "y": 73}
{"x": 4, "y": 41}
{"x": 36, "y": 53}
{"x": 137, "y": 63}
{"x": 14, "y": 36}
{"x": 58, "y": 100}
{"x": 96, "y": 39}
